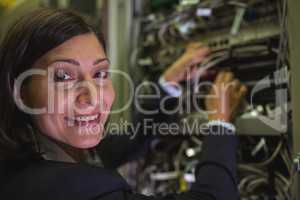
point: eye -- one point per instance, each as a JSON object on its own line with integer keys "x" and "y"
{"x": 103, "y": 74}
{"x": 61, "y": 75}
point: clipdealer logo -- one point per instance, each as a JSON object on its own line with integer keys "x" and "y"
{"x": 280, "y": 80}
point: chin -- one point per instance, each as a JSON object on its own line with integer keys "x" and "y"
{"x": 86, "y": 141}
{"x": 84, "y": 137}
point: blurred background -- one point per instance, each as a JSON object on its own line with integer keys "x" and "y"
{"x": 256, "y": 39}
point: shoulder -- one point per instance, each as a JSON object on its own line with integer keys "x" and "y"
{"x": 58, "y": 180}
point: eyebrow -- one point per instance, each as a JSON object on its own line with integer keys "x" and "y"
{"x": 100, "y": 60}
{"x": 74, "y": 62}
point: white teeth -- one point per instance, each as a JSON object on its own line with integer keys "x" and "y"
{"x": 86, "y": 118}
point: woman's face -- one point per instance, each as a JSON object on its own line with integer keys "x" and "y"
{"x": 77, "y": 92}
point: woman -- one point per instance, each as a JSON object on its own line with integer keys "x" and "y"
{"x": 56, "y": 95}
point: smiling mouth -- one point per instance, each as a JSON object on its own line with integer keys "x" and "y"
{"x": 84, "y": 120}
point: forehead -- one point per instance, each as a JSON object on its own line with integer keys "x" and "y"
{"x": 84, "y": 48}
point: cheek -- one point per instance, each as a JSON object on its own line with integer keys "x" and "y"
{"x": 38, "y": 95}
{"x": 36, "y": 99}
{"x": 64, "y": 101}
{"x": 105, "y": 95}
{"x": 109, "y": 96}
{"x": 50, "y": 125}
{"x": 58, "y": 99}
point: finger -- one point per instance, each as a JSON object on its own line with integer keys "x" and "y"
{"x": 236, "y": 85}
{"x": 220, "y": 77}
{"x": 194, "y": 56}
{"x": 197, "y": 60}
{"x": 241, "y": 93}
{"x": 194, "y": 45}
{"x": 243, "y": 90}
{"x": 228, "y": 77}
{"x": 204, "y": 51}
{"x": 224, "y": 77}
{"x": 198, "y": 54}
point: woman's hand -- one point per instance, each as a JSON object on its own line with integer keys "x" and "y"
{"x": 185, "y": 67}
{"x": 225, "y": 97}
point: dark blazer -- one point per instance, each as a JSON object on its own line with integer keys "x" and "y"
{"x": 49, "y": 180}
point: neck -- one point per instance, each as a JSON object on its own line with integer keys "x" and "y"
{"x": 79, "y": 155}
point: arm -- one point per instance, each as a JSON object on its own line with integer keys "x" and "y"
{"x": 119, "y": 148}
{"x": 216, "y": 177}
{"x": 216, "y": 171}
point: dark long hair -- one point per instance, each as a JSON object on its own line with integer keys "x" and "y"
{"x": 27, "y": 40}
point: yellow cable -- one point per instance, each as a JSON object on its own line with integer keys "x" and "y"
{"x": 7, "y": 3}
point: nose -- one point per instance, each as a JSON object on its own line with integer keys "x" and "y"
{"x": 86, "y": 94}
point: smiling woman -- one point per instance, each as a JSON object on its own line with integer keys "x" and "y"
{"x": 76, "y": 62}
{"x": 70, "y": 51}
{"x": 66, "y": 75}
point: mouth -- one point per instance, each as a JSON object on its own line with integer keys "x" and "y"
{"x": 84, "y": 120}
